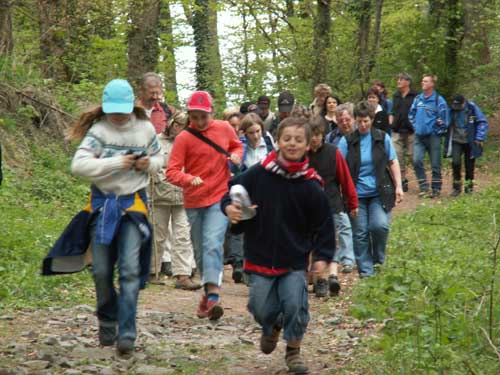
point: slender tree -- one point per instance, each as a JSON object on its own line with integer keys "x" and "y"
{"x": 6, "y": 40}
{"x": 453, "y": 44}
{"x": 322, "y": 30}
{"x": 168, "y": 52}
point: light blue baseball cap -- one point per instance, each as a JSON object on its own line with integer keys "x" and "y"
{"x": 118, "y": 97}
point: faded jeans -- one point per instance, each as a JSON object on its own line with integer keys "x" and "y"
{"x": 432, "y": 145}
{"x": 345, "y": 253}
{"x": 208, "y": 227}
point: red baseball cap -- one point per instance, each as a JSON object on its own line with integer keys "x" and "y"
{"x": 200, "y": 101}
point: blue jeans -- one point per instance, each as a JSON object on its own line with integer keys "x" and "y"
{"x": 235, "y": 248}
{"x": 111, "y": 307}
{"x": 345, "y": 253}
{"x": 432, "y": 145}
{"x": 280, "y": 301}
{"x": 208, "y": 227}
{"x": 370, "y": 233}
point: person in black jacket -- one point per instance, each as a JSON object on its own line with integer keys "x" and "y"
{"x": 402, "y": 129}
{"x": 293, "y": 217}
{"x": 381, "y": 120}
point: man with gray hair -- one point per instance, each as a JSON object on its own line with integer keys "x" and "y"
{"x": 151, "y": 99}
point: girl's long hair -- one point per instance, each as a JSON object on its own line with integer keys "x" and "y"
{"x": 87, "y": 119}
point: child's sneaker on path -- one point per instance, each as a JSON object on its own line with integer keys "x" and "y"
{"x": 107, "y": 335}
{"x": 269, "y": 343}
{"x": 214, "y": 309}
{"x": 334, "y": 285}
{"x": 294, "y": 361}
{"x": 202, "y": 308}
{"x": 125, "y": 346}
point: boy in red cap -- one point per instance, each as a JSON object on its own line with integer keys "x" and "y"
{"x": 199, "y": 164}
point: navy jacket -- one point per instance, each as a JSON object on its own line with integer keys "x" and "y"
{"x": 293, "y": 218}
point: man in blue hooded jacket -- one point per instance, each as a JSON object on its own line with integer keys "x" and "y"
{"x": 429, "y": 117}
{"x": 466, "y": 134}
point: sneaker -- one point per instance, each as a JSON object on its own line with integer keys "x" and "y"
{"x": 166, "y": 269}
{"x": 202, "y": 311}
{"x": 269, "y": 343}
{"x": 125, "y": 346}
{"x": 186, "y": 284}
{"x": 321, "y": 288}
{"x": 405, "y": 185}
{"x": 214, "y": 310}
{"x": 295, "y": 363}
{"x": 107, "y": 335}
{"x": 347, "y": 268}
{"x": 238, "y": 273}
{"x": 333, "y": 285}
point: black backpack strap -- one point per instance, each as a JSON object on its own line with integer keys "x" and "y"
{"x": 167, "y": 110}
{"x": 269, "y": 143}
{"x": 209, "y": 142}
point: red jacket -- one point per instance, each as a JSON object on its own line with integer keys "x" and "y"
{"x": 192, "y": 158}
{"x": 343, "y": 176}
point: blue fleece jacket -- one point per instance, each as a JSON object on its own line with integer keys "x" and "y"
{"x": 425, "y": 112}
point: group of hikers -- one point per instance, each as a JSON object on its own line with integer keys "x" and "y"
{"x": 272, "y": 191}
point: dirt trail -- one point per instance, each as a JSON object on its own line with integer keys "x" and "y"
{"x": 172, "y": 340}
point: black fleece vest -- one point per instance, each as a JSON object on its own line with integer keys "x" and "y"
{"x": 325, "y": 163}
{"x": 385, "y": 184}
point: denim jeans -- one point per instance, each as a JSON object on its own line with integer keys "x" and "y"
{"x": 370, "y": 233}
{"x": 113, "y": 308}
{"x": 208, "y": 227}
{"x": 345, "y": 252}
{"x": 432, "y": 145}
{"x": 235, "y": 248}
{"x": 280, "y": 301}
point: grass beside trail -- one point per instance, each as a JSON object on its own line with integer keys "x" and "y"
{"x": 36, "y": 203}
{"x": 438, "y": 295}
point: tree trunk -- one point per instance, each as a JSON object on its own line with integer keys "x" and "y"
{"x": 322, "y": 29}
{"x": 170, "y": 71}
{"x": 363, "y": 45}
{"x": 208, "y": 61}
{"x": 453, "y": 43}
{"x": 53, "y": 24}
{"x": 6, "y": 40}
{"x": 376, "y": 34}
{"x": 143, "y": 38}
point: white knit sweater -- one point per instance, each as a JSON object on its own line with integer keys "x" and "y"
{"x": 99, "y": 157}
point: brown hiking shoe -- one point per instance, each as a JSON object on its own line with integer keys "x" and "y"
{"x": 269, "y": 343}
{"x": 294, "y": 361}
{"x": 186, "y": 284}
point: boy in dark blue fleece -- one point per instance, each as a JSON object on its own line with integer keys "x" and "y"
{"x": 293, "y": 218}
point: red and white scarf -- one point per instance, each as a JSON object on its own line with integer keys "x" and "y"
{"x": 290, "y": 169}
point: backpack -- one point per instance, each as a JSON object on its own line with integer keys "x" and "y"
{"x": 269, "y": 143}
{"x": 167, "y": 110}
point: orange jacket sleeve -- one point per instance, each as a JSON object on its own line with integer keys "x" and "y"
{"x": 175, "y": 167}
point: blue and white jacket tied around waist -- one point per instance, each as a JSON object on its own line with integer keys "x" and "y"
{"x": 68, "y": 255}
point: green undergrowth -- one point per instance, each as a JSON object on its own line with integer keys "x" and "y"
{"x": 438, "y": 295}
{"x": 37, "y": 201}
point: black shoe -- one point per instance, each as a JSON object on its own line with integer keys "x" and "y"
{"x": 125, "y": 346}
{"x": 321, "y": 288}
{"x": 405, "y": 185}
{"x": 455, "y": 193}
{"x": 238, "y": 273}
{"x": 435, "y": 194}
{"x": 107, "y": 335}
{"x": 333, "y": 285}
{"x": 166, "y": 269}
{"x": 295, "y": 362}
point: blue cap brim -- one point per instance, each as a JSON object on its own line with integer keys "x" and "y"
{"x": 118, "y": 107}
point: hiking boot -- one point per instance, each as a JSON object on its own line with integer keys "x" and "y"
{"x": 238, "y": 273}
{"x": 435, "y": 194}
{"x": 469, "y": 186}
{"x": 321, "y": 288}
{"x": 202, "y": 311}
{"x": 424, "y": 194}
{"x": 107, "y": 335}
{"x": 214, "y": 310}
{"x": 405, "y": 185}
{"x": 333, "y": 285}
{"x": 185, "y": 283}
{"x": 269, "y": 343}
{"x": 347, "y": 268}
{"x": 455, "y": 193}
{"x": 294, "y": 361}
{"x": 166, "y": 269}
{"x": 125, "y": 346}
